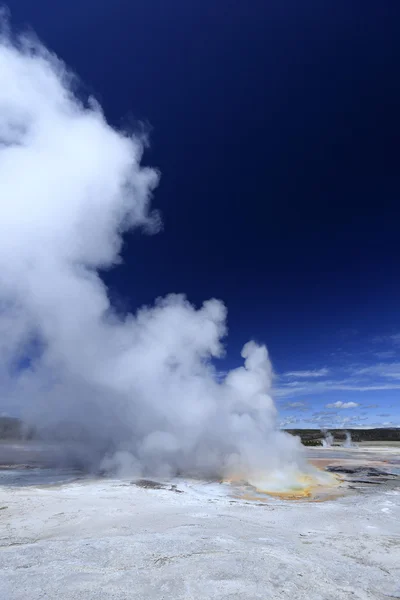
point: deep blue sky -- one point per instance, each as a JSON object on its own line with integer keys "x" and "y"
{"x": 275, "y": 124}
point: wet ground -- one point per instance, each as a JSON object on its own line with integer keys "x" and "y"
{"x": 30, "y": 464}
{"x": 21, "y": 475}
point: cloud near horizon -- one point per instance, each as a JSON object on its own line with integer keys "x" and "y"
{"x": 367, "y": 384}
{"x": 340, "y": 404}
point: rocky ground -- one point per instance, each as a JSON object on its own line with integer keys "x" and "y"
{"x": 184, "y": 539}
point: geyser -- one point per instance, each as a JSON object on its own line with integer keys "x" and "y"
{"x": 133, "y": 394}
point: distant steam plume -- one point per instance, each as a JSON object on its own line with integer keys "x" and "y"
{"x": 138, "y": 392}
{"x": 328, "y": 439}
{"x": 348, "y": 443}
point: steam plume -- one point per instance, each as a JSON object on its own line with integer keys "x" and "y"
{"x": 137, "y": 392}
{"x": 328, "y": 439}
{"x": 348, "y": 443}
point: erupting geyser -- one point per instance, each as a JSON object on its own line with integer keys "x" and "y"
{"x": 137, "y": 394}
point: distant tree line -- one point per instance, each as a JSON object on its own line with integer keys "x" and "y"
{"x": 313, "y": 437}
{"x": 12, "y": 428}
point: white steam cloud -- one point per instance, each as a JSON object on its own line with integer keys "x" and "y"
{"x": 138, "y": 391}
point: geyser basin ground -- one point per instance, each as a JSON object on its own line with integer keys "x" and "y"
{"x": 102, "y": 539}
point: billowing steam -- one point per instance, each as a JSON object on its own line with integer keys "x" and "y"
{"x": 137, "y": 392}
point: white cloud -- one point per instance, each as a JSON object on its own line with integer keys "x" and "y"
{"x": 307, "y": 374}
{"x": 383, "y": 370}
{"x": 288, "y": 421}
{"x": 382, "y": 376}
{"x": 303, "y": 388}
{"x": 340, "y": 404}
{"x": 385, "y": 354}
{"x": 296, "y": 406}
{"x": 387, "y": 339}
